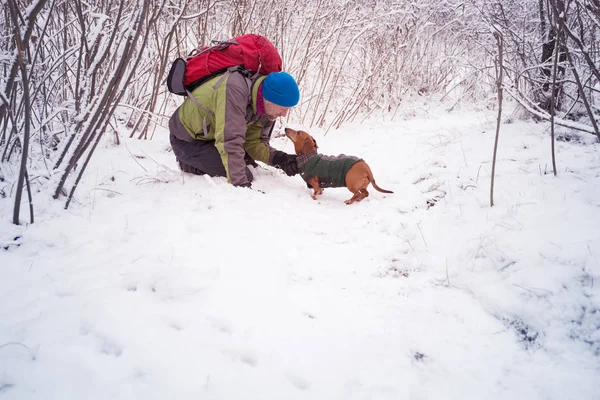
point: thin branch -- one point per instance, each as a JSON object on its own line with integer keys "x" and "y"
{"x": 553, "y": 93}
{"x": 499, "y": 79}
{"x": 26, "y": 102}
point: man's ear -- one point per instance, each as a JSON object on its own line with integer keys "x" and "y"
{"x": 315, "y": 142}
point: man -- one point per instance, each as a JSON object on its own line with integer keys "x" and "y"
{"x": 227, "y": 123}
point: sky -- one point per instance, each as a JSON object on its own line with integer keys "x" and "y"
{"x": 159, "y": 284}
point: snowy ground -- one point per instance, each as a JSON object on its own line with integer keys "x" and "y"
{"x": 162, "y": 285}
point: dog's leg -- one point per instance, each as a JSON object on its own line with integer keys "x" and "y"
{"x": 363, "y": 193}
{"x": 354, "y": 198}
{"x": 317, "y": 190}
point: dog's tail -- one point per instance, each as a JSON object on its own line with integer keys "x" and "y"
{"x": 372, "y": 180}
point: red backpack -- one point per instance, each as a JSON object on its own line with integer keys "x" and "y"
{"x": 250, "y": 53}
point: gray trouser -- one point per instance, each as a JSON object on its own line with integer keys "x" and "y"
{"x": 201, "y": 155}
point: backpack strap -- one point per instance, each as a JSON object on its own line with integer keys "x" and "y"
{"x": 217, "y": 45}
{"x": 209, "y": 112}
{"x": 230, "y": 70}
{"x": 244, "y": 72}
{"x": 257, "y": 74}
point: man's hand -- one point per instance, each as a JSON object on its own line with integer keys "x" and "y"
{"x": 286, "y": 162}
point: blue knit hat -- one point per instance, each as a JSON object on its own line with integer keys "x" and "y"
{"x": 280, "y": 88}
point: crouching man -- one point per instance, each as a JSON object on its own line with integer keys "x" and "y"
{"x": 226, "y": 124}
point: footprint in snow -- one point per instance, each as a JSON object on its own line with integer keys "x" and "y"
{"x": 108, "y": 346}
{"x": 5, "y": 387}
{"x": 248, "y": 359}
{"x": 297, "y": 381}
{"x": 245, "y": 357}
{"x": 220, "y": 325}
{"x": 111, "y": 348}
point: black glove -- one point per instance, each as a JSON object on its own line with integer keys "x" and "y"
{"x": 286, "y": 162}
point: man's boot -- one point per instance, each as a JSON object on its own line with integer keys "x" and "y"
{"x": 188, "y": 168}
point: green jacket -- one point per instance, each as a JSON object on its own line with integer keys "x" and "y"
{"x": 330, "y": 170}
{"x": 228, "y": 116}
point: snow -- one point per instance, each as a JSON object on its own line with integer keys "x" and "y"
{"x": 156, "y": 284}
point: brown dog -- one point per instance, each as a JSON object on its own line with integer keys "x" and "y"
{"x": 327, "y": 171}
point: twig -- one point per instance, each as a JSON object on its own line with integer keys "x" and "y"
{"x": 524, "y": 288}
{"x": 422, "y": 236}
{"x": 478, "y": 171}
{"x": 147, "y": 180}
{"x": 107, "y": 190}
{"x": 553, "y": 94}
{"x": 463, "y": 151}
{"x": 507, "y": 265}
{"x": 31, "y": 353}
{"x": 499, "y": 75}
{"x": 534, "y": 288}
{"x": 134, "y": 157}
